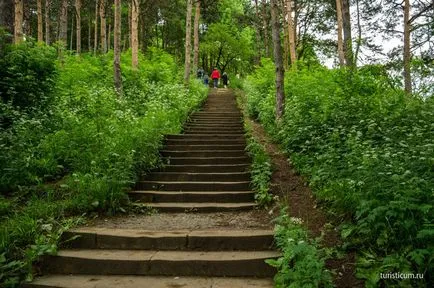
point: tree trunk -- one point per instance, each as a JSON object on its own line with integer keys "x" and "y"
{"x": 47, "y": 22}
{"x": 135, "y": 33}
{"x": 407, "y": 52}
{"x": 130, "y": 27}
{"x": 348, "y": 42}
{"x": 109, "y": 38}
{"x": 265, "y": 28}
{"x": 95, "y": 39}
{"x": 117, "y": 48}
{"x": 63, "y": 29}
{"x": 40, "y": 20}
{"x": 258, "y": 35}
{"x": 285, "y": 35}
{"x": 18, "y": 24}
{"x": 196, "y": 36}
{"x": 78, "y": 24}
{"x": 71, "y": 41}
{"x": 103, "y": 26}
{"x": 89, "y": 31}
{"x": 341, "y": 53}
{"x": 280, "y": 72}
{"x": 291, "y": 33}
{"x": 188, "y": 42}
{"x": 359, "y": 36}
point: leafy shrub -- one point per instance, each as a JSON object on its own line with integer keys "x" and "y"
{"x": 368, "y": 150}
{"x": 27, "y": 75}
{"x": 260, "y": 169}
{"x": 302, "y": 263}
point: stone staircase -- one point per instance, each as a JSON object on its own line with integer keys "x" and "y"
{"x": 206, "y": 171}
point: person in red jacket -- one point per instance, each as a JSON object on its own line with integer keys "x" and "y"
{"x": 215, "y": 76}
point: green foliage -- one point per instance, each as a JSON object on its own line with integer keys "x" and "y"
{"x": 89, "y": 144}
{"x": 368, "y": 150}
{"x": 302, "y": 263}
{"x": 260, "y": 169}
{"x": 27, "y": 75}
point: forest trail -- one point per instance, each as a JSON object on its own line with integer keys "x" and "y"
{"x": 207, "y": 232}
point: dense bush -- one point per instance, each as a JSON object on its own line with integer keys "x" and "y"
{"x": 368, "y": 150}
{"x": 27, "y": 75}
{"x": 88, "y": 146}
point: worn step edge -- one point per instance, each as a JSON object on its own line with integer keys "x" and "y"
{"x": 120, "y": 281}
{"x": 192, "y": 196}
{"x": 193, "y": 185}
{"x": 144, "y": 262}
{"x": 198, "y": 207}
{"x": 203, "y": 240}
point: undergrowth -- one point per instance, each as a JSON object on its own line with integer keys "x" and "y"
{"x": 302, "y": 263}
{"x": 72, "y": 145}
{"x": 368, "y": 151}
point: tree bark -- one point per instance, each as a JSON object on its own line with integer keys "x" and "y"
{"x": 18, "y": 24}
{"x": 265, "y": 28}
{"x": 117, "y": 48}
{"x": 95, "y": 39}
{"x": 71, "y": 41}
{"x": 196, "y": 36}
{"x": 40, "y": 20}
{"x": 359, "y": 36}
{"x": 341, "y": 53}
{"x": 348, "y": 42}
{"x": 78, "y": 25}
{"x": 188, "y": 42}
{"x": 291, "y": 33}
{"x": 280, "y": 72}
{"x": 47, "y": 22}
{"x": 135, "y": 33}
{"x": 407, "y": 52}
{"x": 63, "y": 29}
{"x": 103, "y": 32}
{"x": 258, "y": 35}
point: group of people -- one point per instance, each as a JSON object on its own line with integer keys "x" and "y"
{"x": 215, "y": 76}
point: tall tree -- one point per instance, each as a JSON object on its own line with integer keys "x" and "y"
{"x": 63, "y": 25}
{"x": 348, "y": 42}
{"x": 407, "y": 52}
{"x": 78, "y": 25}
{"x": 47, "y": 22}
{"x": 341, "y": 53}
{"x": 135, "y": 33}
{"x": 257, "y": 34}
{"x": 117, "y": 48}
{"x": 196, "y": 36}
{"x": 18, "y": 24}
{"x": 265, "y": 28}
{"x": 278, "y": 61}
{"x": 40, "y": 27}
{"x": 291, "y": 33}
{"x": 95, "y": 38}
{"x": 188, "y": 41}
{"x": 103, "y": 32}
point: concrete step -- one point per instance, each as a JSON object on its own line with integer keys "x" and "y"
{"x": 210, "y": 130}
{"x": 207, "y": 132}
{"x": 184, "y": 240}
{"x": 208, "y": 168}
{"x": 193, "y": 186}
{"x": 207, "y": 160}
{"x": 215, "y": 121}
{"x": 197, "y": 207}
{"x": 188, "y": 176}
{"x": 234, "y": 112}
{"x": 214, "y": 125}
{"x": 213, "y": 136}
{"x": 123, "y": 281}
{"x": 192, "y": 196}
{"x": 164, "y": 263}
{"x": 203, "y": 153}
{"x": 211, "y": 141}
{"x": 215, "y": 128}
{"x": 205, "y": 147}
